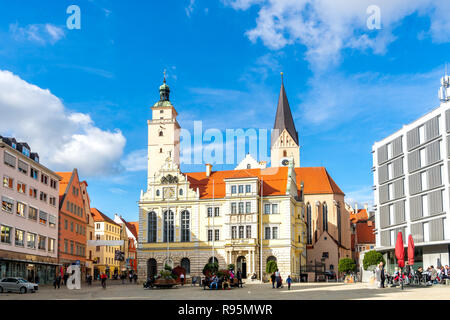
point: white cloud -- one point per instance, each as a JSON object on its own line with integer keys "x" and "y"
{"x": 326, "y": 27}
{"x": 136, "y": 160}
{"x": 334, "y": 99}
{"x": 64, "y": 140}
{"x": 39, "y": 33}
{"x": 361, "y": 196}
{"x": 190, "y": 8}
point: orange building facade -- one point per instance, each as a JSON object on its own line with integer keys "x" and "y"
{"x": 72, "y": 223}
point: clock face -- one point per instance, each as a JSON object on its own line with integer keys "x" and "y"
{"x": 169, "y": 192}
{"x": 285, "y": 162}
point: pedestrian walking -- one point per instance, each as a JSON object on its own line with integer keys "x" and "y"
{"x": 278, "y": 278}
{"x": 130, "y": 276}
{"x": 103, "y": 279}
{"x": 182, "y": 279}
{"x": 135, "y": 278}
{"x": 272, "y": 278}
{"x": 289, "y": 281}
{"x": 239, "y": 278}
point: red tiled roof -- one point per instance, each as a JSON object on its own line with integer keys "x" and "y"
{"x": 315, "y": 181}
{"x": 365, "y": 233}
{"x": 101, "y": 217}
{"x": 361, "y": 215}
{"x": 65, "y": 179}
{"x": 131, "y": 226}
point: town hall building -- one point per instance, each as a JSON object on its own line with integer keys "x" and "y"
{"x": 293, "y": 215}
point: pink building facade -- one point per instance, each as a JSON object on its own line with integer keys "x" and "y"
{"x": 28, "y": 216}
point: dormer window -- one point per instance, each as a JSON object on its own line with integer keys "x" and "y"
{"x": 13, "y": 145}
{"x": 249, "y": 166}
{"x": 25, "y": 151}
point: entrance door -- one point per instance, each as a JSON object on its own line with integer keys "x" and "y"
{"x": 242, "y": 266}
{"x": 152, "y": 269}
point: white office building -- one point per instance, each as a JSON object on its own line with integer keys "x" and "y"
{"x": 412, "y": 186}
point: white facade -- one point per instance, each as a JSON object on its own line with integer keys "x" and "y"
{"x": 411, "y": 186}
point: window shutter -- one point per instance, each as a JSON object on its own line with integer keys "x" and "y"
{"x": 22, "y": 165}
{"x": 433, "y": 153}
{"x": 385, "y": 238}
{"x": 399, "y": 212}
{"x": 397, "y": 147}
{"x": 416, "y": 207}
{"x": 42, "y": 215}
{"x": 434, "y": 177}
{"x": 384, "y": 216}
{"x": 432, "y": 128}
{"x": 435, "y": 202}
{"x": 9, "y": 159}
{"x": 399, "y": 188}
{"x": 417, "y": 232}
{"x": 437, "y": 230}
{"x": 382, "y": 154}
{"x": 398, "y": 167}
{"x": 383, "y": 174}
{"x": 414, "y": 183}
{"x": 384, "y": 193}
{"x": 413, "y": 161}
{"x": 413, "y": 138}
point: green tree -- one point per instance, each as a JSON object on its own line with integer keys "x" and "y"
{"x": 346, "y": 265}
{"x": 271, "y": 266}
{"x": 231, "y": 267}
{"x": 210, "y": 268}
{"x": 372, "y": 258}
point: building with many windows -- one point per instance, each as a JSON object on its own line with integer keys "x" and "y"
{"x": 245, "y": 216}
{"x": 411, "y": 185}
{"x": 110, "y": 232}
{"x": 29, "y": 214}
{"x": 72, "y": 222}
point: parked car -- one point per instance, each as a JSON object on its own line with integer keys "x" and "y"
{"x": 14, "y": 284}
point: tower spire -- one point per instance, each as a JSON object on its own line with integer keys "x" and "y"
{"x": 283, "y": 118}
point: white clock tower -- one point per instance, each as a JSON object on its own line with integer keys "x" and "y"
{"x": 163, "y": 134}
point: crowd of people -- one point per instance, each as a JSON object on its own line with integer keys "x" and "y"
{"x": 223, "y": 281}
{"x": 408, "y": 275}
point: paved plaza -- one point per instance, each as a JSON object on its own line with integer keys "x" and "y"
{"x": 251, "y": 291}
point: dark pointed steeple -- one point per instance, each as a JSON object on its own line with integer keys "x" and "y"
{"x": 283, "y": 118}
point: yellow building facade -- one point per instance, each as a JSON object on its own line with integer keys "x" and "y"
{"x": 243, "y": 217}
{"x": 104, "y": 255}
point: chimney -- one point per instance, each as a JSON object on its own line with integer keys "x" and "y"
{"x": 356, "y": 207}
{"x": 366, "y": 206}
{"x": 208, "y": 169}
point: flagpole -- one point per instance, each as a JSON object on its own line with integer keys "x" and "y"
{"x": 261, "y": 233}
{"x": 167, "y": 230}
{"x": 213, "y": 231}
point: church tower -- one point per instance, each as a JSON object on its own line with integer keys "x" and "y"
{"x": 284, "y": 144}
{"x": 163, "y": 133}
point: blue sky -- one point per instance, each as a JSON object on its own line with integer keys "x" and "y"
{"x": 81, "y": 98}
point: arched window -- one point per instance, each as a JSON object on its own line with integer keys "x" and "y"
{"x": 338, "y": 208}
{"x": 211, "y": 260}
{"x": 249, "y": 166}
{"x": 157, "y": 193}
{"x": 160, "y": 150}
{"x": 284, "y": 153}
{"x": 308, "y": 224}
{"x": 161, "y": 133}
{"x": 152, "y": 268}
{"x": 186, "y": 265}
{"x": 181, "y": 192}
{"x": 271, "y": 258}
{"x": 168, "y": 226}
{"x": 152, "y": 226}
{"x": 325, "y": 217}
{"x": 185, "y": 226}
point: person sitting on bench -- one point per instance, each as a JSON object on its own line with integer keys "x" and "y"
{"x": 214, "y": 282}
